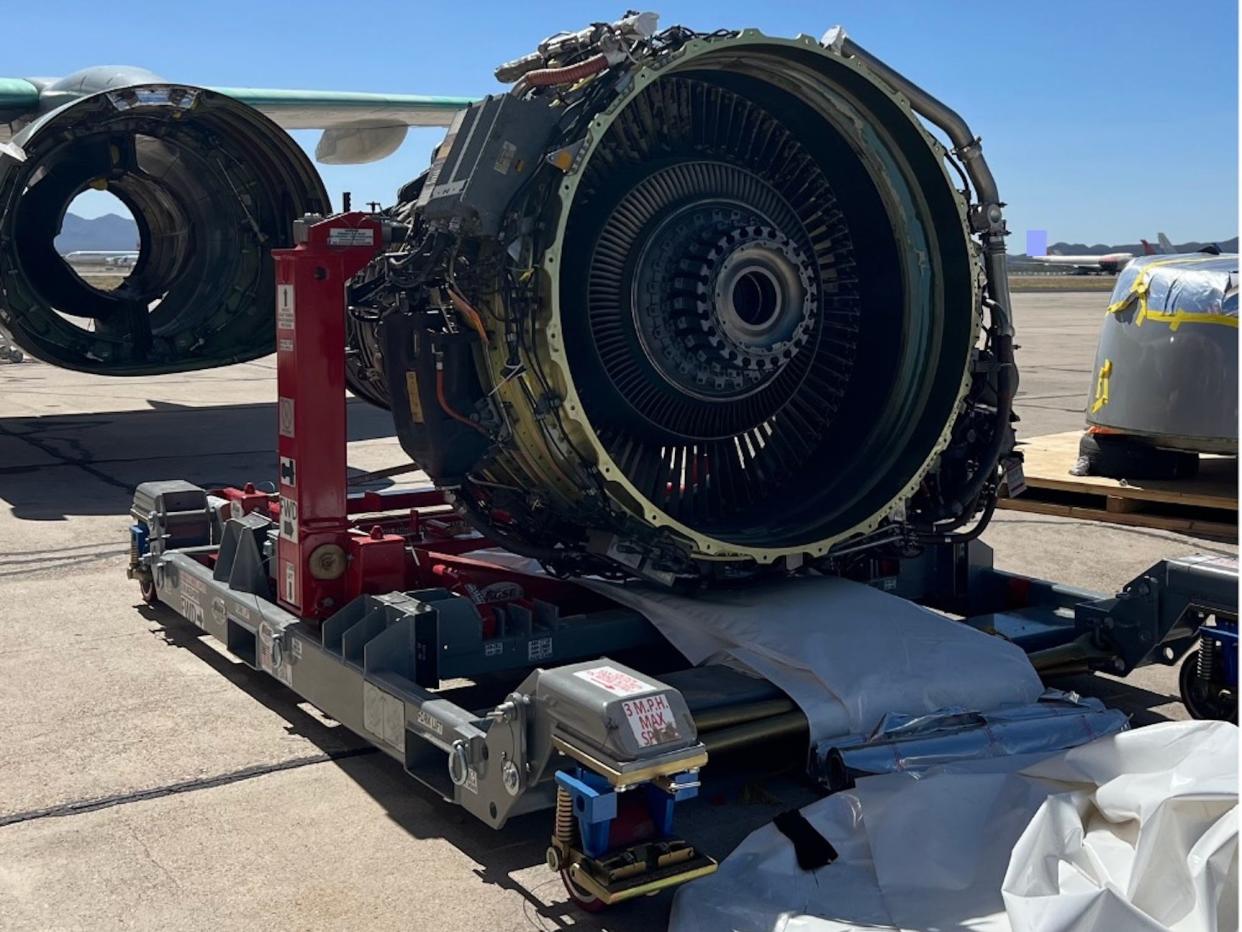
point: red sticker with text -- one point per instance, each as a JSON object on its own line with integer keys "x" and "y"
{"x": 615, "y": 681}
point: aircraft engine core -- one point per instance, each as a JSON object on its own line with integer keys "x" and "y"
{"x": 697, "y": 307}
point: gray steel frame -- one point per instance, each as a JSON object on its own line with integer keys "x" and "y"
{"x": 361, "y": 667}
{"x": 1154, "y": 618}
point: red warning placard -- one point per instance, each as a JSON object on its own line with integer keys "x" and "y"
{"x": 617, "y": 682}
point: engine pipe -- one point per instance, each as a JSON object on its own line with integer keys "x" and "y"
{"x": 989, "y": 220}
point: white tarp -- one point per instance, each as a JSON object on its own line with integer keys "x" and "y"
{"x": 1135, "y": 831}
{"x": 847, "y": 653}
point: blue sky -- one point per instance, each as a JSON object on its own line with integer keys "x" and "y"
{"x": 1103, "y": 121}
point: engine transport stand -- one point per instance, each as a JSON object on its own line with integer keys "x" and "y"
{"x": 376, "y": 606}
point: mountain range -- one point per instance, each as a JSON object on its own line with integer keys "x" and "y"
{"x": 110, "y": 231}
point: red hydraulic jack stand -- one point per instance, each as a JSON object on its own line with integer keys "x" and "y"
{"x": 316, "y": 543}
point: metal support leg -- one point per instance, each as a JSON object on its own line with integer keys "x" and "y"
{"x": 310, "y": 378}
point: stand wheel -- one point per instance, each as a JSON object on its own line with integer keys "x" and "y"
{"x": 16, "y": 355}
{"x": 146, "y": 587}
{"x": 588, "y": 902}
{"x": 1121, "y": 457}
{"x": 1205, "y": 701}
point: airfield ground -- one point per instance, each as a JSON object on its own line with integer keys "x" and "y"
{"x": 148, "y": 780}
{"x": 1019, "y": 283}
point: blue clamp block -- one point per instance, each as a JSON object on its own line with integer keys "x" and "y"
{"x": 140, "y": 535}
{"x": 595, "y": 805}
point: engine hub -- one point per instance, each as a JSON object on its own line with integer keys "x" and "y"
{"x": 759, "y": 298}
{"x": 702, "y": 291}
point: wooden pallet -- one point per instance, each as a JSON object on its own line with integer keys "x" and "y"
{"x": 1205, "y": 505}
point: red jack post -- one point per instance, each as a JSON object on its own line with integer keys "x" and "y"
{"x": 315, "y": 543}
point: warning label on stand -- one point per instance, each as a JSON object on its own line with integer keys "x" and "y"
{"x": 285, "y": 407}
{"x": 284, "y": 307}
{"x": 651, "y": 720}
{"x": 341, "y": 236}
{"x": 292, "y": 596}
{"x": 614, "y": 681}
{"x": 288, "y": 519}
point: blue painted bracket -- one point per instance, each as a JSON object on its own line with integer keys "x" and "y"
{"x": 595, "y": 805}
{"x": 141, "y": 537}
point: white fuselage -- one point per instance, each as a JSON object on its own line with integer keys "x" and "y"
{"x": 123, "y": 258}
{"x": 1113, "y": 262}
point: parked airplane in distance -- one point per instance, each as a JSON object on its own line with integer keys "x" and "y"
{"x": 121, "y": 258}
{"x": 1109, "y": 264}
{"x": 1164, "y": 249}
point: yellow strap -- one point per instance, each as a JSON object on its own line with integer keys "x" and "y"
{"x": 1101, "y": 386}
{"x": 1176, "y": 318}
{"x": 1140, "y": 289}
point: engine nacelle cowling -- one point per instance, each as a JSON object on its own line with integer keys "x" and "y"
{"x": 213, "y": 186}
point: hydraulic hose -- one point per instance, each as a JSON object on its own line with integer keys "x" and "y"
{"x": 570, "y": 74}
{"x": 968, "y": 149}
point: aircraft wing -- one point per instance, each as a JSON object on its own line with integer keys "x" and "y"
{"x": 358, "y": 127}
{"x": 330, "y": 109}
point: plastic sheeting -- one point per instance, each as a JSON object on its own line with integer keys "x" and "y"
{"x": 1166, "y": 367}
{"x": 1135, "y": 831}
{"x": 1189, "y": 288}
{"x": 846, "y": 653}
{"x": 870, "y": 671}
{"x": 1060, "y": 720}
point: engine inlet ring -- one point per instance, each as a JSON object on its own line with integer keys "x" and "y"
{"x": 915, "y": 322}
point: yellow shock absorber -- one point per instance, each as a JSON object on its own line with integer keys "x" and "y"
{"x": 564, "y": 817}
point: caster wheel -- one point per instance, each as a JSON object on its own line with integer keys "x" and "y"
{"x": 16, "y": 355}
{"x": 1202, "y": 700}
{"x": 146, "y": 587}
{"x": 586, "y": 901}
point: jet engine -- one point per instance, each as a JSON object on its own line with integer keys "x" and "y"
{"x": 695, "y": 307}
{"x": 213, "y": 185}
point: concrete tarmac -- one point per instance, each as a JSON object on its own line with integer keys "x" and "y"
{"x": 151, "y": 781}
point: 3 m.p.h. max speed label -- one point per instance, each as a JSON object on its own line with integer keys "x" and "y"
{"x": 651, "y": 720}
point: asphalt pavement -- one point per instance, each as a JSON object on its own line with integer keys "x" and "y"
{"x": 149, "y": 780}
